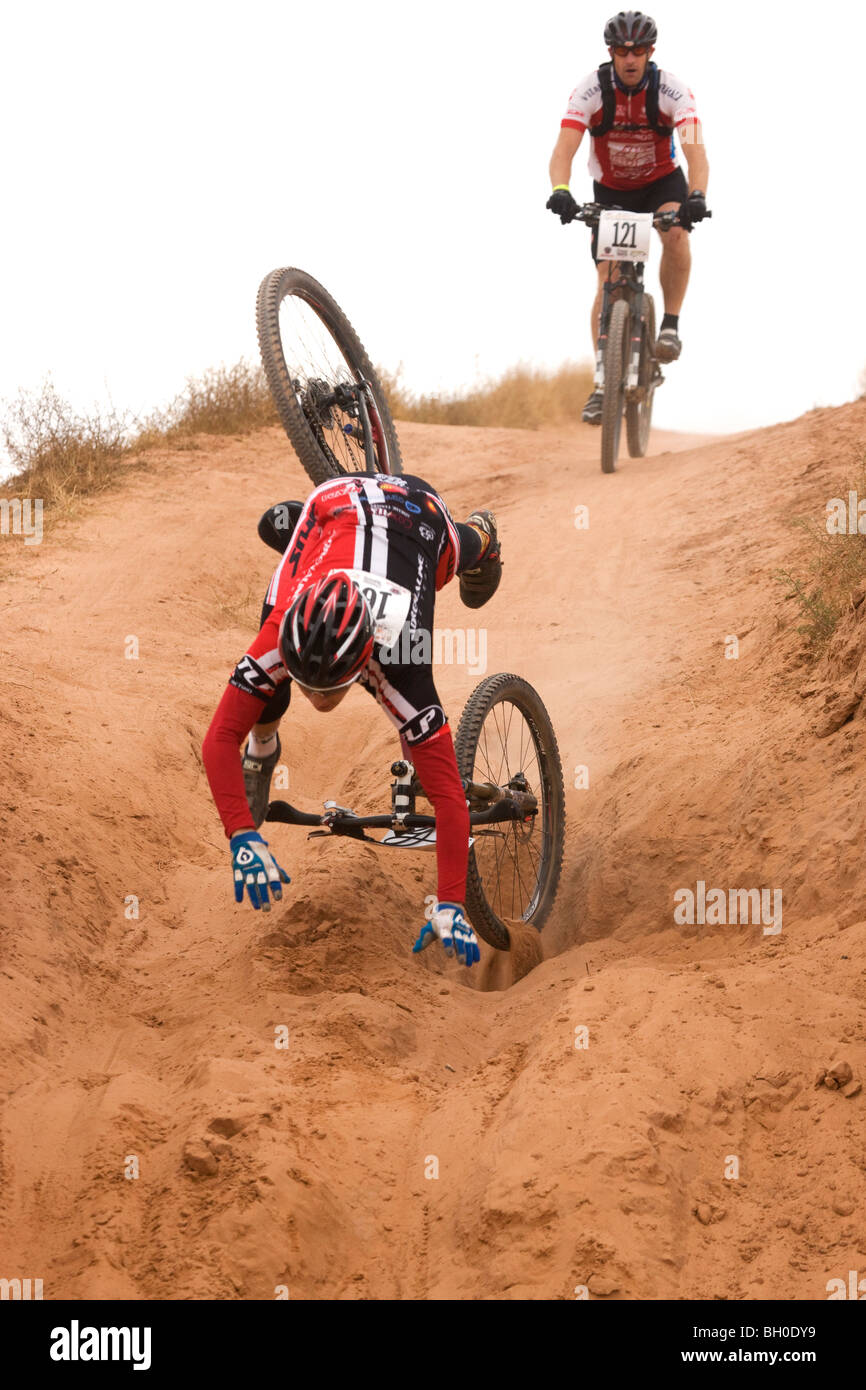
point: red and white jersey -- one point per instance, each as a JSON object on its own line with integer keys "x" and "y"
{"x": 631, "y": 158}
{"x": 373, "y": 522}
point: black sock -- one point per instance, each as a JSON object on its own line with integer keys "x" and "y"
{"x": 671, "y": 321}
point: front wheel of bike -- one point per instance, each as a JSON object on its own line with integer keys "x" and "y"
{"x": 638, "y": 414}
{"x": 328, "y": 396}
{"x": 615, "y": 373}
{"x": 505, "y": 736}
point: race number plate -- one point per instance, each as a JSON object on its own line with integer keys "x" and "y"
{"x": 624, "y": 236}
{"x": 389, "y": 604}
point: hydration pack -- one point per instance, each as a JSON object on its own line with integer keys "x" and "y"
{"x": 608, "y": 104}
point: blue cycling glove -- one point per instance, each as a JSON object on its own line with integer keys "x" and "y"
{"x": 255, "y": 869}
{"x": 447, "y": 923}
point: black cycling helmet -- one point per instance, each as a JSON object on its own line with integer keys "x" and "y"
{"x": 326, "y": 636}
{"x": 630, "y": 27}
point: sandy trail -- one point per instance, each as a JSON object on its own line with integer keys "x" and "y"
{"x": 152, "y": 1038}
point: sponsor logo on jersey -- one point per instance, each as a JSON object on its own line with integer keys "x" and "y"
{"x": 300, "y": 538}
{"x": 669, "y": 92}
{"x": 252, "y": 678}
{"x": 426, "y": 531}
{"x": 426, "y": 722}
{"x": 416, "y": 593}
{"x": 393, "y": 512}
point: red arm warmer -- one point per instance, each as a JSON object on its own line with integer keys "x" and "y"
{"x": 436, "y": 765}
{"x": 236, "y": 714}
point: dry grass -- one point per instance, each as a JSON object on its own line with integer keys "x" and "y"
{"x": 833, "y": 567}
{"x": 522, "y": 398}
{"x": 60, "y": 455}
{"x": 225, "y": 400}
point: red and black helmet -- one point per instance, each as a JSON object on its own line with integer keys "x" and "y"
{"x": 326, "y": 636}
{"x": 630, "y": 27}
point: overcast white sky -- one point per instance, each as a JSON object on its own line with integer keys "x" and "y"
{"x": 160, "y": 158}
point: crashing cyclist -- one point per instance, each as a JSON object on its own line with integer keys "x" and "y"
{"x": 318, "y": 633}
{"x": 631, "y": 109}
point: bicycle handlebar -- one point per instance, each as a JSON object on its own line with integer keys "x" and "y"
{"x": 589, "y": 213}
{"x": 343, "y": 822}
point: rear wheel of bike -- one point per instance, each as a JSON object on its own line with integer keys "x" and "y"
{"x": 615, "y": 372}
{"x": 638, "y": 414}
{"x": 505, "y": 735}
{"x": 322, "y": 381}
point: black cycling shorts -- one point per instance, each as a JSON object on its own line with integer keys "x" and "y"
{"x": 670, "y": 189}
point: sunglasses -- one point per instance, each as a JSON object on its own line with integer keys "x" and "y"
{"x": 622, "y": 50}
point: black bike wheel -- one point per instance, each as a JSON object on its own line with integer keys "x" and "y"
{"x": 309, "y": 348}
{"x": 639, "y": 414}
{"x": 615, "y": 369}
{"x": 514, "y": 867}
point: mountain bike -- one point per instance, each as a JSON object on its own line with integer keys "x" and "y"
{"x": 509, "y": 761}
{"x": 328, "y": 396}
{"x": 627, "y": 370}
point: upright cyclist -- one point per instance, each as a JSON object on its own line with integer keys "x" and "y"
{"x": 318, "y": 634}
{"x": 631, "y": 109}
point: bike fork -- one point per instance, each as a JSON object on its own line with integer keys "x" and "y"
{"x": 636, "y": 326}
{"x": 600, "y": 346}
{"x": 599, "y": 362}
{"x": 633, "y": 377}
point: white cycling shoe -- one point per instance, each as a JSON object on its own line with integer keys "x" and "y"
{"x": 668, "y": 345}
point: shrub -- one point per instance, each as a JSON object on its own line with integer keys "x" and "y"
{"x": 522, "y": 398}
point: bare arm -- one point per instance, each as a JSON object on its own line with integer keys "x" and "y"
{"x": 563, "y": 155}
{"x": 692, "y": 137}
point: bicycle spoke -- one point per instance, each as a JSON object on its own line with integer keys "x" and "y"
{"x": 316, "y": 366}
{"x": 487, "y": 774}
{"x": 511, "y": 866}
{"x": 498, "y": 713}
{"x": 526, "y": 893}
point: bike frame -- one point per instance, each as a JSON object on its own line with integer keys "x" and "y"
{"x": 375, "y": 443}
{"x": 630, "y": 283}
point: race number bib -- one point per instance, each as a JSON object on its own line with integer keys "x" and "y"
{"x": 624, "y": 236}
{"x": 389, "y": 604}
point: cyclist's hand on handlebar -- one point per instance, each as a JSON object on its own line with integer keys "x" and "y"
{"x": 693, "y": 210}
{"x": 255, "y": 869}
{"x": 447, "y": 922}
{"x": 562, "y": 204}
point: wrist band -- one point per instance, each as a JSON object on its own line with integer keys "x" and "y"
{"x": 558, "y": 186}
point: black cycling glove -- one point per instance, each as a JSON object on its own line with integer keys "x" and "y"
{"x": 693, "y": 210}
{"x": 562, "y": 203}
